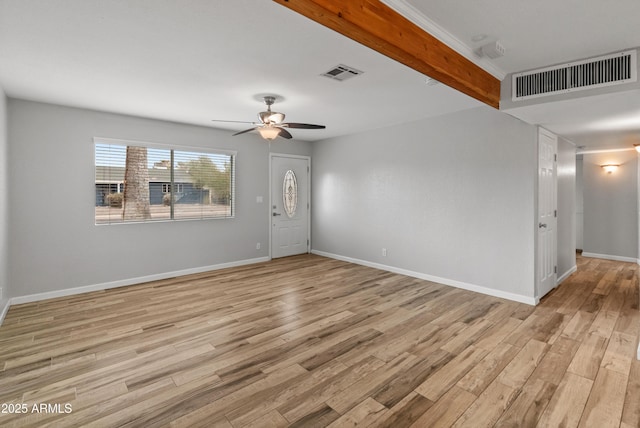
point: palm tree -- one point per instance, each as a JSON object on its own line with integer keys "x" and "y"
{"x": 136, "y": 185}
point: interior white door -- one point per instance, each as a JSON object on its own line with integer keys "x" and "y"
{"x": 547, "y": 212}
{"x": 289, "y": 205}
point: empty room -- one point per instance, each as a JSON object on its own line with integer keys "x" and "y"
{"x": 319, "y": 213}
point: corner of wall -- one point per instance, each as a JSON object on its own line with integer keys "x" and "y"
{"x": 4, "y": 210}
{"x": 4, "y": 308}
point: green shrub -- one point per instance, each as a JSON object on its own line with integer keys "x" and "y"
{"x": 115, "y": 200}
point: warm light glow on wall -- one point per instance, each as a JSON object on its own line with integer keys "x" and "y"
{"x": 610, "y": 168}
{"x": 637, "y": 147}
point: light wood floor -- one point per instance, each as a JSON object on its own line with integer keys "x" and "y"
{"x": 309, "y": 341}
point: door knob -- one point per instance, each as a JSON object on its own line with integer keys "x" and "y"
{"x": 542, "y": 225}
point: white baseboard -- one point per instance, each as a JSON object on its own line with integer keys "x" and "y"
{"x": 453, "y": 283}
{"x": 566, "y": 274}
{"x": 130, "y": 281}
{"x": 4, "y": 308}
{"x": 610, "y": 257}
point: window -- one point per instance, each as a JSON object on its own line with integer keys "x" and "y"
{"x": 290, "y": 193}
{"x": 166, "y": 187}
{"x": 140, "y": 183}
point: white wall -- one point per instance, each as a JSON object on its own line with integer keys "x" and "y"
{"x": 611, "y": 206}
{"x": 566, "y": 208}
{"x": 450, "y": 197}
{"x": 579, "y": 203}
{"x": 4, "y": 208}
{"x": 55, "y": 244}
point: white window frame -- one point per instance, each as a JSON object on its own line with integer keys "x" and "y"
{"x": 179, "y": 148}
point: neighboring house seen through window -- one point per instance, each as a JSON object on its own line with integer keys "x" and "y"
{"x": 178, "y": 187}
{"x": 137, "y": 182}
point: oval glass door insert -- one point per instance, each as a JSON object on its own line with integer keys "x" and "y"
{"x": 290, "y": 193}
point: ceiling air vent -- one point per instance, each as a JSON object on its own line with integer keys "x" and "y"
{"x": 607, "y": 70}
{"x": 342, "y": 72}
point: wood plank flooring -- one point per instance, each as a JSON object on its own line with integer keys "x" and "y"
{"x": 308, "y": 341}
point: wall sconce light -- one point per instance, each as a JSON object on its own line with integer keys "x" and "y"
{"x": 637, "y": 147}
{"x": 610, "y": 168}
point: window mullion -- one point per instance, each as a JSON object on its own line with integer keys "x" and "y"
{"x": 172, "y": 188}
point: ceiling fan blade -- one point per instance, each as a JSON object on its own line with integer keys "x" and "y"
{"x": 285, "y": 134}
{"x": 233, "y": 121}
{"x": 246, "y": 130}
{"x": 302, "y": 125}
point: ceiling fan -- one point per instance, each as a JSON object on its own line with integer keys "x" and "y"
{"x": 272, "y": 123}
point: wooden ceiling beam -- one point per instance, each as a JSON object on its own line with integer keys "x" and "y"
{"x": 377, "y": 26}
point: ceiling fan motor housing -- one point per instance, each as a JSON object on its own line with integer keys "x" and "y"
{"x": 268, "y": 117}
{"x": 271, "y": 117}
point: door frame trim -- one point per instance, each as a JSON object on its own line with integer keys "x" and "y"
{"x": 538, "y": 280}
{"x": 286, "y": 155}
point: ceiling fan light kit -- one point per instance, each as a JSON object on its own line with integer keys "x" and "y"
{"x": 269, "y": 132}
{"x": 271, "y": 123}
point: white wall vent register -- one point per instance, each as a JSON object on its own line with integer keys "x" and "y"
{"x": 607, "y": 70}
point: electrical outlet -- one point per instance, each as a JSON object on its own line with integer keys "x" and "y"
{"x": 258, "y": 246}
{"x": 384, "y": 252}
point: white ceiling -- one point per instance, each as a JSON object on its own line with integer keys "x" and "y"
{"x": 537, "y": 33}
{"x": 196, "y": 60}
{"x": 542, "y": 33}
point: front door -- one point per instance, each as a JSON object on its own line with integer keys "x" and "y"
{"x": 289, "y": 205}
{"x": 547, "y": 212}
